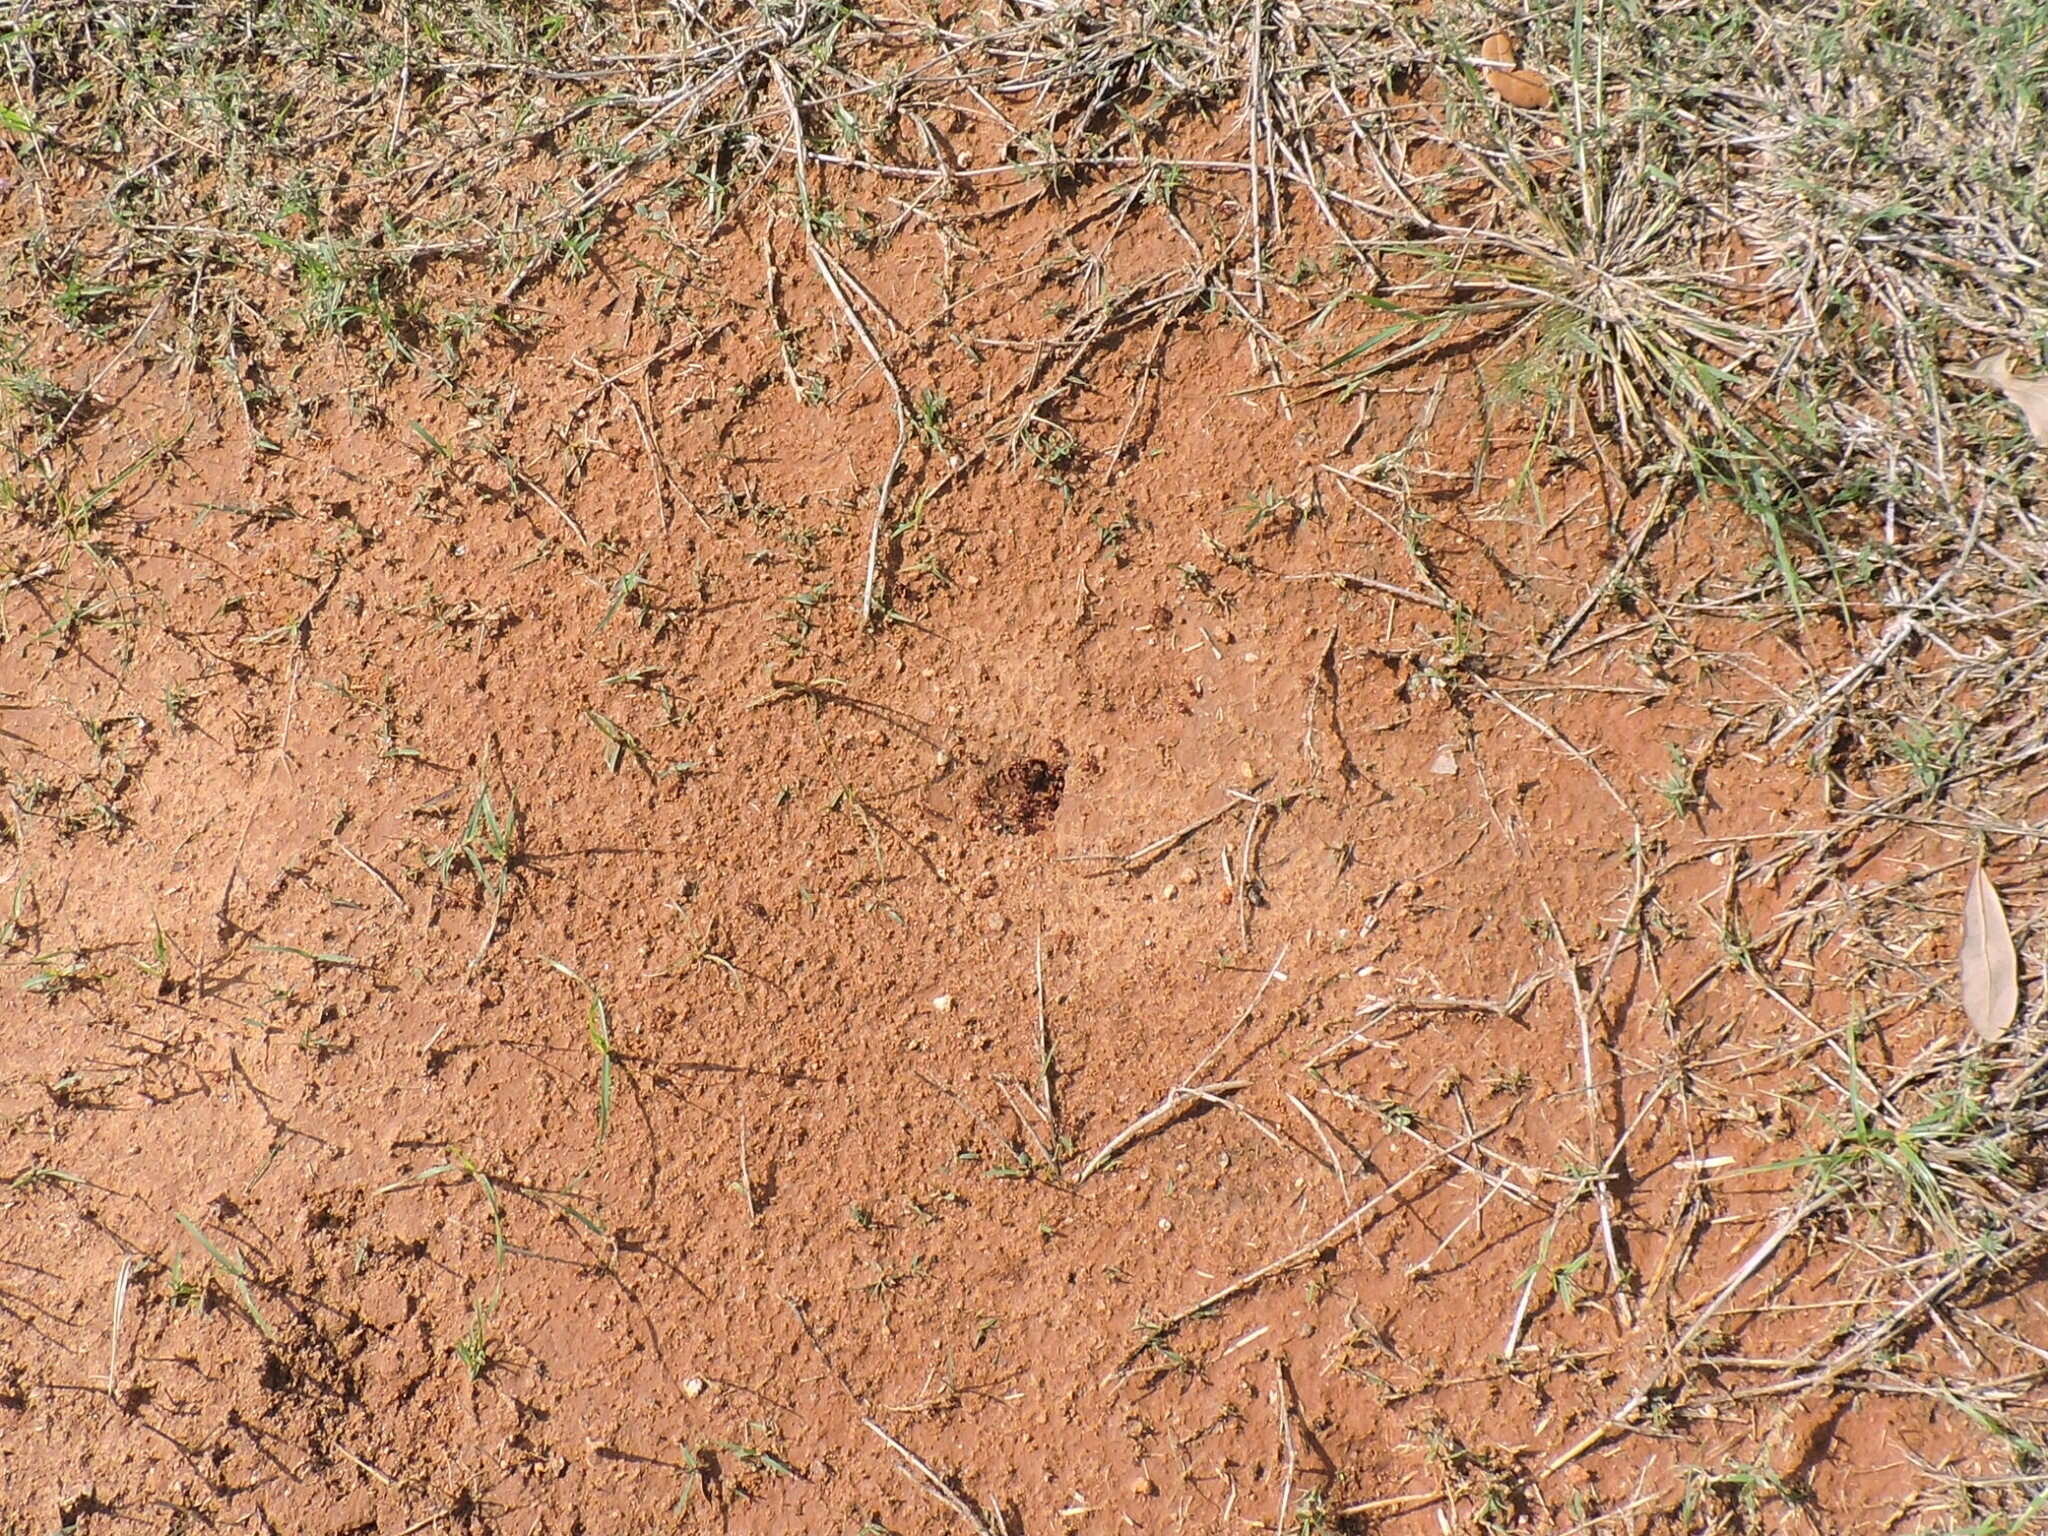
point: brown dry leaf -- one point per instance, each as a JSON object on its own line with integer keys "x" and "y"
{"x": 2030, "y": 395}
{"x": 1516, "y": 87}
{"x": 1991, "y": 970}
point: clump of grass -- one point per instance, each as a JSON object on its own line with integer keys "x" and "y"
{"x": 488, "y": 848}
{"x": 473, "y": 1349}
{"x": 488, "y": 844}
{"x": 236, "y": 1270}
{"x": 1936, "y": 1152}
{"x": 566, "y": 1203}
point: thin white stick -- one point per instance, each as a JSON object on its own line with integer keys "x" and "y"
{"x": 1281, "y": 1398}
{"x": 374, "y": 873}
{"x": 1177, "y": 1098}
{"x": 1329, "y": 1148}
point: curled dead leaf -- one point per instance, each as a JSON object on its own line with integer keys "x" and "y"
{"x": 1990, "y": 966}
{"x": 1517, "y": 87}
{"x": 2030, "y": 395}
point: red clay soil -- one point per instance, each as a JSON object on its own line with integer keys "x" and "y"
{"x": 880, "y": 936}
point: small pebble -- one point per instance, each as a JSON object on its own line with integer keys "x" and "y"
{"x": 694, "y": 1387}
{"x": 1143, "y": 1487}
{"x": 943, "y": 1003}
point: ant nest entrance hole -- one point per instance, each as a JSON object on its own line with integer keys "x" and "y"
{"x": 1019, "y": 798}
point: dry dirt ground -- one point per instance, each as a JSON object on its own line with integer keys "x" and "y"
{"x": 1261, "y": 991}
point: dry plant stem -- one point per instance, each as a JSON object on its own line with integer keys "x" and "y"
{"x": 1578, "y": 755}
{"x": 1505, "y": 1007}
{"x": 1138, "y": 858}
{"x": 1514, "y": 1338}
{"x": 1498, "y": 1183}
{"x": 1618, "y": 1420}
{"x": 121, "y": 1279}
{"x": 1427, "y": 1262}
{"x": 1024, "y": 1109}
{"x": 364, "y": 1467}
{"x": 520, "y": 477}
{"x": 1373, "y": 584}
{"x": 1896, "y": 634}
{"x": 1901, "y": 1317}
{"x": 828, "y": 270}
{"x": 1178, "y": 1098}
{"x": 1283, "y": 1401}
{"x": 918, "y": 1472}
{"x": 1248, "y": 886}
{"x": 1336, "y": 1234}
{"x": 1603, "y": 1200}
{"x": 1392, "y": 1504}
{"x": 803, "y": 1320}
{"x": 374, "y": 873}
{"x": 483, "y": 946}
{"x": 1046, "y": 1066}
{"x": 1185, "y": 1090}
{"x": 1329, "y": 1147}
{"x": 996, "y": 1142}
{"x": 1621, "y": 567}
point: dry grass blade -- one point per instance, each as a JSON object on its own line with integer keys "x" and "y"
{"x": 1991, "y": 977}
{"x": 1622, "y": 1419}
{"x": 1351, "y": 1223}
{"x": 121, "y": 1280}
{"x": 1187, "y": 1090}
{"x": 1178, "y": 1098}
{"x": 919, "y": 1472}
{"x": 1603, "y": 1200}
{"x": 836, "y": 280}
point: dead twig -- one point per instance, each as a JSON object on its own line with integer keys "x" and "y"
{"x": 1603, "y": 1201}
{"x": 918, "y": 1471}
{"x": 1150, "y": 853}
{"x": 835, "y": 280}
{"x": 374, "y": 873}
{"x": 1338, "y": 1233}
{"x": 1185, "y": 1091}
{"x": 1507, "y": 1007}
{"x": 1620, "y": 1419}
